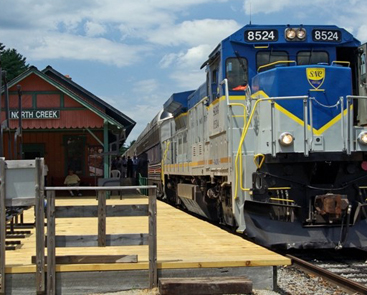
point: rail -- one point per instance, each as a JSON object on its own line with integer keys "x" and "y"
{"x": 102, "y": 239}
{"x": 334, "y": 278}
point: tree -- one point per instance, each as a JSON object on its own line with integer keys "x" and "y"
{"x": 12, "y": 62}
{"x": 125, "y": 147}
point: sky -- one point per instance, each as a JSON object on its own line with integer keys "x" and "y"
{"x": 135, "y": 54}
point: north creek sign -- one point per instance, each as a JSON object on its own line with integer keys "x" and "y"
{"x": 36, "y": 114}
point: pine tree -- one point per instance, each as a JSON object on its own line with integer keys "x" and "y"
{"x": 12, "y": 62}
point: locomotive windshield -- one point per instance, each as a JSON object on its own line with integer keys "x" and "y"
{"x": 312, "y": 57}
{"x": 268, "y": 57}
{"x": 236, "y": 73}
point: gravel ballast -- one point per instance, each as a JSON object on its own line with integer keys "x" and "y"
{"x": 291, "y": 281}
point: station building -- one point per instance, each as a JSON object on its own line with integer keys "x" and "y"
{"x": 62, "y": 122}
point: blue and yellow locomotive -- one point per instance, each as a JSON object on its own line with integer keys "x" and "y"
{"x": 274, "y": 142}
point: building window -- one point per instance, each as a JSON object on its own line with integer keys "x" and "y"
{"x": 33, "y": 150}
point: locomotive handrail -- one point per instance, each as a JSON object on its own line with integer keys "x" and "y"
{"x": 238, "y": 167}
{"x": 226, "y": 91}
{"x": 164, "y": 160}
{"x": 275, "y": 63}
{"x": 258, "y": 165}
{"x": 335, "y": 62}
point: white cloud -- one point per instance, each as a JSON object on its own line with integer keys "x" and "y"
{"x": 66, "y": 46}
{"x": 193, "y": 33}
{"x": 188, "y": 80}
{"x": 146, "y": 86}
{"x": 94, "y": 29}
{"x": 362, "y": 33}
{"x": 191, "y": 58}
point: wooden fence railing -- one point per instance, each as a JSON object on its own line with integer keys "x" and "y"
{"x": 102, "y": 239}
{"x": 22, "y": 184}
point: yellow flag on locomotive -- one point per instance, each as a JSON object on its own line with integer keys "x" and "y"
{"x": 315, "y": 76}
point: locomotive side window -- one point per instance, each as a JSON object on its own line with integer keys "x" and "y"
{"x": 269, "y": 57}
{"x": 312, "y": 57}
{"x": 236, "y": 73}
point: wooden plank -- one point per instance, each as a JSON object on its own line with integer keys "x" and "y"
{"x": 92, "y": 240}
{"x": 91, "y": 259}
{"x": 101, "y": 219}
{"x": 2, "y": 225}
{"x": 207, "y": 285}
{"x": 153, "y": 276}
{"x": 40, "y": 227}
{"x": 92, "y": 211}
{"x": 12, "y": 245}
{"x": 76, "y": 211}
{"x": 51, "y": 264}
{"x": 127, "y": 210}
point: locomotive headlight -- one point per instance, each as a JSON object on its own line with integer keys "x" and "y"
{"x": 286, "y": 139}
{"x": 301, "y": 34}
{"x": 362, "y": 137}
{"x": 290, "y": 34}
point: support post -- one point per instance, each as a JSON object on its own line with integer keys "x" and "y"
{"x": 51, "y": 259}
{"x": 105, "y": 148}
{"x": 101, "y": 218}
{"x": 40, "y": 228}
{"x": 2, "y": 225}
{"x": 153, "y": 277}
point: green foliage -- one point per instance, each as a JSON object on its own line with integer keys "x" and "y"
{"x": 12, "y": 62}
{"x": 125, "y": 147}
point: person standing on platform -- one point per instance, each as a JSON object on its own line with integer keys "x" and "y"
{"x": 135, "y": 166}
{"x": 123, "y": 166}
{"x": 129, "y": 167}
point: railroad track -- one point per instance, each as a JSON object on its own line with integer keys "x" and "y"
{"x": 346, "y": 269}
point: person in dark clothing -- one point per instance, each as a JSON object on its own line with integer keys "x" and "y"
{"x": 129, "y": 167}
{"x": 114, "y": 164}
{"x": 123, "y": 166}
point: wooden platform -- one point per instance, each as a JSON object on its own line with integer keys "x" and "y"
{"x": 187, "y": 247}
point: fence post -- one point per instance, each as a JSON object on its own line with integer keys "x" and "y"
{"x": 51, "y": 259}
{"x": 101, "y": 218}
{"x": 2, "y": 225}
{"x": 153, "y": 279}
{"x": 40, "y": 228}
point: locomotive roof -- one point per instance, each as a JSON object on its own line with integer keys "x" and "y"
{"x": 177, "y": 103}
{"x": 347, "y": 39}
